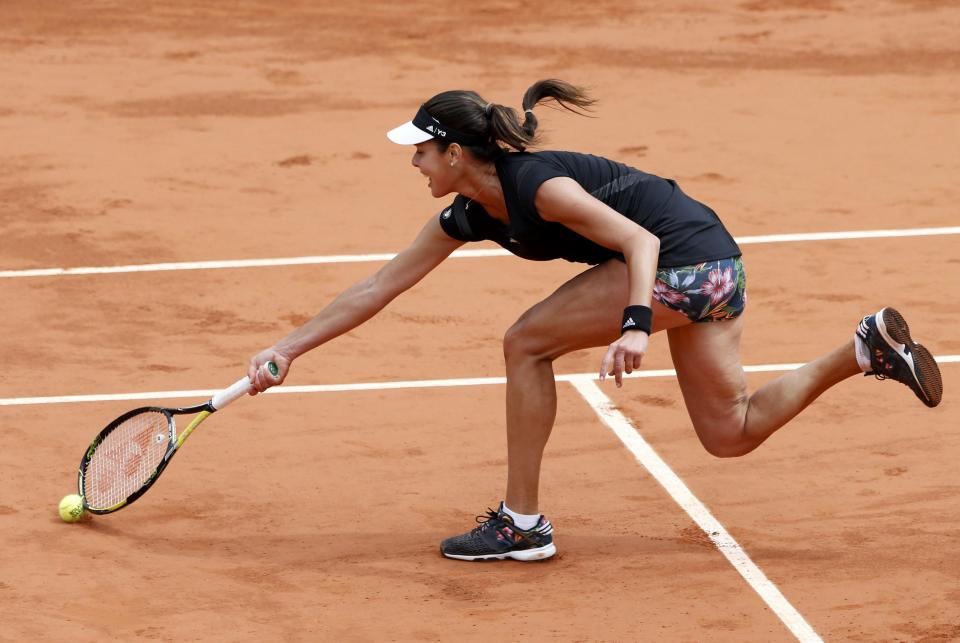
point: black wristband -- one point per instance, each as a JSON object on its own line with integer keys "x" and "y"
{"x": 637, "y": 318}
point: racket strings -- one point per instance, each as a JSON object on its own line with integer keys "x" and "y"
{"x": 126, "y": 459}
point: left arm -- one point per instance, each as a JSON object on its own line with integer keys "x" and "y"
{"x": 563, "y": 201}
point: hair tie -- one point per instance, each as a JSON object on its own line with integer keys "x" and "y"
{"x": 488, "y": 109}
{"x": 528, "y": 111}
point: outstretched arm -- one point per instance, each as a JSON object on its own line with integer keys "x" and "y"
{"x": 358, "y": 303}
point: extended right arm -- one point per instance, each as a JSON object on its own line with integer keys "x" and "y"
{"x": 358, "y": 303}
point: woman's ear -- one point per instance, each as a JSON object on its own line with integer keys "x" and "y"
{"x": 454, "y": 153}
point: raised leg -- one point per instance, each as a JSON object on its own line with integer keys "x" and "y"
{"x": 728, "y": 422}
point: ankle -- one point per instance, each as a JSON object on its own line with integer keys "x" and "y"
{"x": 522, "y": 521}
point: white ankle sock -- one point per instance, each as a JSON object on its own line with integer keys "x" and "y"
{"x": 522, "y": 521}
{"x": 863, "y": 353}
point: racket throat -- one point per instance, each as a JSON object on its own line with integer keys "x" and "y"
{"x": 200, "y": 417}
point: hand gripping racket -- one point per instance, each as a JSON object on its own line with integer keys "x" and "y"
{"x": 128, "y": 456}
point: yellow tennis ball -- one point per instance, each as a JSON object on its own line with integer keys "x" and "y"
{"x": 71, "y": 508}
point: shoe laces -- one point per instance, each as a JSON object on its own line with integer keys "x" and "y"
{"x": 489, "y": 519}
{"x": 504, "y": 527}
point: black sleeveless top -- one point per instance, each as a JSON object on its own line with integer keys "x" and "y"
{"x": 688, "y": 230}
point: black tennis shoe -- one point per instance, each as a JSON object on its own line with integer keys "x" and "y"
{"x": 498, "y": 538}
{"x": 894, "y": 355}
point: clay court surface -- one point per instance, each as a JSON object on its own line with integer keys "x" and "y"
{"x": 139, "y": 133}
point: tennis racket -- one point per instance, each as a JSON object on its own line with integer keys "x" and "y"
{"x": 128, "y": 456}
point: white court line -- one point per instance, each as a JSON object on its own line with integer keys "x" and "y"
{"x": 374, "y": 386}
{"x": 233, "y": 263}
{"x": 491, "y": 252}
{"x": 682, "y": 495}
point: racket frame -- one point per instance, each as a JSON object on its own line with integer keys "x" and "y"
{"x": 175, "y": 441}
{"x": 227, "y": 396}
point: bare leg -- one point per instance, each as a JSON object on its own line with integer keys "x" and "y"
{"x": 583, "y": 313}
{"x": 727, "y": 421}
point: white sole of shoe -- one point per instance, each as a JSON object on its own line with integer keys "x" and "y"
{"x": 524, "y": 555}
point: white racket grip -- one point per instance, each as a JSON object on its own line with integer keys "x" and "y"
{"x": 236, "y": 390}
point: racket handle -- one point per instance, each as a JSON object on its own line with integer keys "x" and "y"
{"x": 231, "y": 394}
{"x": 238, "y": 389}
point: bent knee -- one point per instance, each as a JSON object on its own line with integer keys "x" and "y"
{"x": 519, "y": 340}
{"x": 525, "y": 339}
{"x": 728, "y": 450}
{"x": 726, "y": 442}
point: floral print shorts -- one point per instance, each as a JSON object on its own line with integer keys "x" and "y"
{"x": 709, "y": 291}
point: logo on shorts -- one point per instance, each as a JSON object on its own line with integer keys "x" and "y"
{"x": 446, "y": 214}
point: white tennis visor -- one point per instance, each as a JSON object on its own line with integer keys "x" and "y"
{"x": 408, "y": 134}
{"x": 423, "y": 127}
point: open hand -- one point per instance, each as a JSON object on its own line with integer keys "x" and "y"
{"x": 624, "y": 355}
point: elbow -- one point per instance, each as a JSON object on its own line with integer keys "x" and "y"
{"x": 372, "y": 293}
{"x": 643, "y": 243}
{"x": 653, "y": 242}
{"x": 375, "y": 293}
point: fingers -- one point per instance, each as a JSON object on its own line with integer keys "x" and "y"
{"x": 621, "y": 358}
{"x": 613, "y": 364}
{"x": 252, "y": 376}
{"x": 261, "y": 382}
{"x": 258, "y": 372}
{"x": 265, "y": 378}
{"x": 618, "y": 365}
{"x": 607, "y": 362}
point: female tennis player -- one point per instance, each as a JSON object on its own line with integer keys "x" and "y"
{"x": 660, "y": 261}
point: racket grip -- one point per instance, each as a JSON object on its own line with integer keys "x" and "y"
{"x": 238, "y": 389}
{"x": 231, "y": 394}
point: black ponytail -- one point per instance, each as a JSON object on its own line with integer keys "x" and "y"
{"x": 467, "y": 112}
{"x": 566, "y": 95}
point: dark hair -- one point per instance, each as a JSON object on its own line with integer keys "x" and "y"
{"x": 465, "y": 111}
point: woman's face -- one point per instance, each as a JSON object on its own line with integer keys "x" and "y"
{"x": 436, "y": 166}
